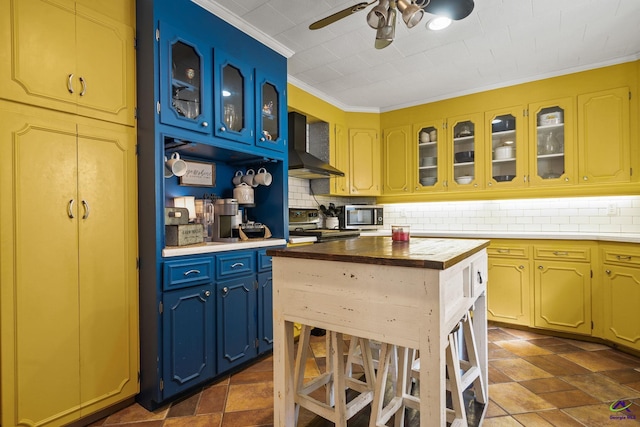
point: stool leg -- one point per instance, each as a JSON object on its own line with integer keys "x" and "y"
{"x": 380, "y": 387}
{"x": 472, "y": 354}
{"x": 301, "y": 362}
{"x": 337, "y": 384}
{"x": 453, "y": 369}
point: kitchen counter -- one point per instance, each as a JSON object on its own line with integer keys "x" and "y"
{"x": 209, "y": 247}
{"x": 546, "y": 235}
{"x": 410, "y": 294}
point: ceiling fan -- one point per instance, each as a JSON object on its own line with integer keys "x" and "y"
{"x": 382, "y": 17}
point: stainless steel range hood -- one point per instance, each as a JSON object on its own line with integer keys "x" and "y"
{"x": 302, "y": 164}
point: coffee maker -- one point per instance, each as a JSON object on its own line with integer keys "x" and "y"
{"x": 225, "y": 219}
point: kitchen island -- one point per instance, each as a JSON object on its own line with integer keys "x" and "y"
{"x": 411, "y": 294}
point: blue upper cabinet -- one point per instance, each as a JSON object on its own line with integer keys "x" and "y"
{"x": 271, "y": 108}
{"x": 185, "y": 85}
{"x": 234, "y": 99}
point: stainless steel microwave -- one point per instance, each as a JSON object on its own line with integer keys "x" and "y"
{"x": 361, "y": 217}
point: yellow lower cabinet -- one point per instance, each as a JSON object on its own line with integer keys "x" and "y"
{"x": 509, "y": 286}
{"x": 621, "y": 290}
{"x": 69, "y": 307}
{"x": 563, "y": 295}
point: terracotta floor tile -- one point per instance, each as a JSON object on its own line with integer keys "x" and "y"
{"x": 497, "y": 352}
{"x": 559, "y": 418}
{"x": 600, "y": 416}
{"x": 522, "y": 348}
{"x": 602, "y": 387}
{"x": 245, "y": 377}
{"x": 260, "y": 417}
{"x": 524, "y": 335}
{"x": 623, "y": 376}
{"x": 499, "y": 335}
{"x": 493, "y": 410}
{"x": 547, "y": 385}
{"x": 154, "y": 423}
{"x": 556, "y": 365}
{"x": 532, "y": 419}
{"x": 585, "y": 345}
{"x": 212, "y": 399}
{"x": 569, "y": 398}
{"x": 136, "y": 412}
{"x": 501, "y": 422}
{"x": 623, "y": 358}
{"x": 210, "y": 420}
{"x": 635, "y": 386}
{"x": 519, "y": 370}
{"x": 515, "y": 399}
{"x": 184, "y": 407}
{"x": 594, "y": 360}
{"x": 243, "y": 397}
{"x": 555, "y": 345}
{"x": 496, "y": 376}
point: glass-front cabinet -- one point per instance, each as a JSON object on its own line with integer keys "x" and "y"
{"x": 507, "y": 158}
{"x": 550, "y": 137}
{"x": 184, "y": 99}
{"x": 233, "y": 97}
{"x": 431, "y": 146}
{"x": 466, "y": 149}
{"x": 270, "y": 109}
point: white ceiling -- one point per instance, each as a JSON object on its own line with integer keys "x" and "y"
{"x": 502, "y": 42}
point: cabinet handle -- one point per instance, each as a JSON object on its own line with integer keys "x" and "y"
{"x": 207, "y": 293}
{"x": 263, "y": 139}
{"x": 70, "y": 83}
{"x": 479, "y": 277}
{"x": 586, "y": 178}
{"x": 223, "y": 129}
{"x": 225, "y": 290}
{"x": 521, "y": 267}
{"x": 608, "y": 272}
{"x": 86, "y": 209}
{"x": 186, "y": 273}
{"x": 490, "y": 184}
{"x": 567, "y": 179}
{"x": 504, "y": 251}
{"x": 205, "y": 124}
{"x": 84, "y": 86}
{"x": 623, "y": 257}
{"x": 560, "y": 253}
{"x": 237, "y": 264}
{"x": 70, "y": 208}
{"x": 540, "y": 267}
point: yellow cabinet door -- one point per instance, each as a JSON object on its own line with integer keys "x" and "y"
{"x": 364, "y": 153}
{"x": 431, "y": 156}
{"x": 107, "y": 266}
{"x": 603, "y": 132}
{"x": 508, "y": 291}
{"x": 68, "y": 264}
{"x": 76, "y": 61}
{"x": 621, "y": 302}
{"x": 506, "y": 157}
{"x": 465, "y": 158}
{"x": 563, "y": 296}
{"x": 398, "y": 160}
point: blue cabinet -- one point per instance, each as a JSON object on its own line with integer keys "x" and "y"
{"x": 265, "y": 312}
{"x": 271, "y": 108}
{"x": 188, "y": 338}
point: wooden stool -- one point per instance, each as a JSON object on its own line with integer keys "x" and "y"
{"x": 461, "y": 375}
{"x": 337, "y": 379}
{"x": 355, "y": 358}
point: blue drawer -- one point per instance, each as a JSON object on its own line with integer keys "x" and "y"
{"x": 187, "y": 272}
{"x": 264, "y": 260}
{"x": 234, "y": 264}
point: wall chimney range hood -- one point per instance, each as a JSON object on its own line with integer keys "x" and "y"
{"x": 302, "y": 164}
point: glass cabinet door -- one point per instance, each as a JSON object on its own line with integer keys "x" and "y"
{"x": 183, "y": 71}
{"x": 507, "y": 158}
{"x": 428, "y": 153}
{"x": 233, "y": 93}
{"x": 549, "y": 137}
{"x": 270, "y": 109}
{"x": 466, "y": 160}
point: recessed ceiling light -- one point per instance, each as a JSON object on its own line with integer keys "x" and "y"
{"x": 438, "y": 23}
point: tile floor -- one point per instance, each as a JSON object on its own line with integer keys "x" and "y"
{"x": 534, "y": 380}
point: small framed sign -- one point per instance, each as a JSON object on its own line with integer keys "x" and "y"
{"x": 199, "y": 174}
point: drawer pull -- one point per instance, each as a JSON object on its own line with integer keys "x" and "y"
{"x": 70, "y": 208}
{"x": 84, "y": 86}
{"x": 504, "y": 251}
{"x": 186, "y": 273}
{"x": 237, "y": 264}
{"x": 479, "y": 277}
{"x": 623, "y": 257}
{"x": 70, "y": 83}
{"x": 560, "y": 253}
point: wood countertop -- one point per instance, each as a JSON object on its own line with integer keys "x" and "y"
{"x": 437, "y": 254}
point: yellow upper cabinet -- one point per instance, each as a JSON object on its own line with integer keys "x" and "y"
{"x": 364, "y": 162}
{"x": 506, "y": 160}
{"x": 603, "y": 133}
{"x": 63, "y": 55}
{"x": 340, "y": 160}
{"x": 398, "y": 160}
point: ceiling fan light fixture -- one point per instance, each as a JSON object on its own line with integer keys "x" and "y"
{"x": 377, "y": 17}
{"x": 438, "y": 23}
{"x": 386, "y": 34}
{"x": 411, "y": 13}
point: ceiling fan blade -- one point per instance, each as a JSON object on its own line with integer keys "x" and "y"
{"x": 339, "y": 15}
{"x": 454, "y": 9}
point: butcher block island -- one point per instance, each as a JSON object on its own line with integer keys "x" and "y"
{"x": 408, "y": 294}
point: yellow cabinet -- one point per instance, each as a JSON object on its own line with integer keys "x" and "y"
{"x": 62, "y": 55}
{"x": 68, "y": 227}
{"x": 363, "y": 174}
{"x": 506, "y": 153}
{"x": 398, "y": 163}
{"x": 509, "y": 287}
{"x": 562, "y": 287}
{"x": 621, "y": 289}
{"x": 603, "y": 131}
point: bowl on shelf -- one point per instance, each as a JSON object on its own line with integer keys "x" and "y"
{"x": 503, "y": 152}
{"x": 466, "y": 179}
{"x": 464, "y": 156}
{"x": 550, "y": 118}
{"x": 504, "y": 178}
{"x": 427, "y": 181}
{"x": 428, "y": 161}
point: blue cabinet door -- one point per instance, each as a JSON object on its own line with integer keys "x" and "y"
{"x": 236, "y": 321}
{"x": 233, "y": 96}
{"x": 265, "y": 312}
{"x": 271, "y": 109}
{"x": 188, "y": 338}
{"x": 185, "y": 80}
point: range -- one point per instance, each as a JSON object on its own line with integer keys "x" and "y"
{"x": 306, "y": 222}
